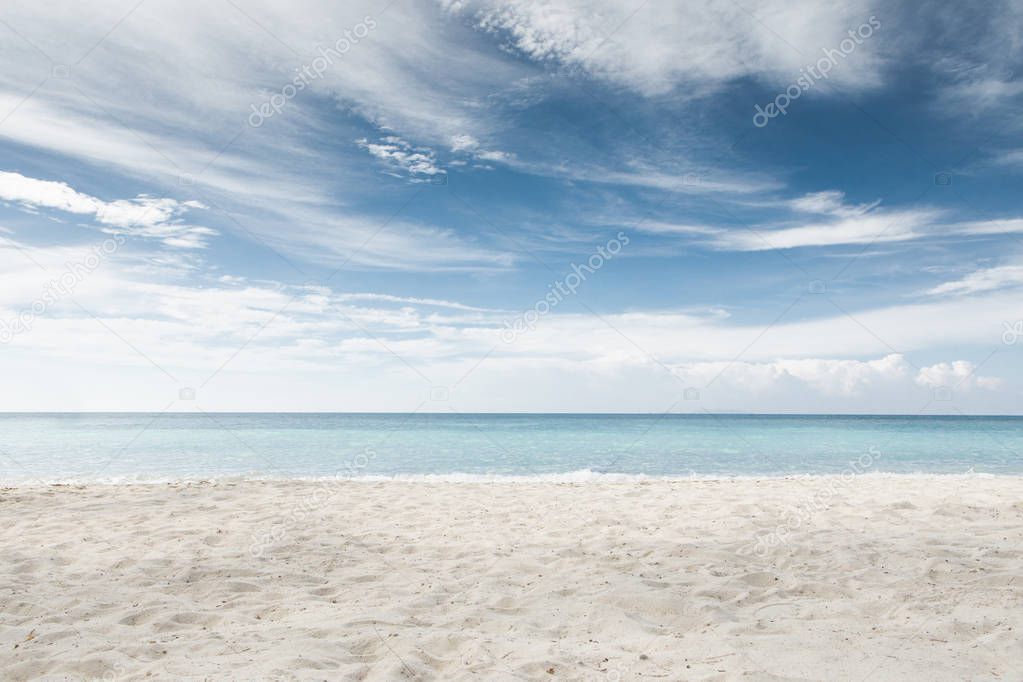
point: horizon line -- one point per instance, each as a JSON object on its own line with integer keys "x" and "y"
{"x": 521, "y": 413}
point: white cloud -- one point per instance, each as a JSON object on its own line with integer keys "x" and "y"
{"x": 838, "y": 223}
{"x": 987, "y": 279}
{"x": 18, "y": 188}
{"x": 386, "y": 298}
{"x": 143, "y": 216}
{"x": 978, "y": 74}
{"x": 495, "y": 155}
{"x": 827, "y": 376}
{"x": 840, "y": 377}
{"x": 383, "y": 243}
{"x": 830, "y": 202}
{"x": 165, "y": 93}
{"x": 1012, "y": 157}
{"x": 409, "y": 75}
{"x": 344, "y": 344}
{"x": 408, "y": 78}
{"x": 991, "y": 90}
{"x": 957, "y": 375}
{"x": 982, "y": 227}
{"x": 457, "y": 329}
{"x": 662, "y": 227}
{"x": 259, "y": 195}
{"x": 878, "y": 226}
{"x": 467, "y": 144}
{"x": 398, "y": 154}
{"x": 663, "y": 44}
{"x": 974, "y": 95}
{"x": 639, "y": 174}
{"x": 461, "y": 143}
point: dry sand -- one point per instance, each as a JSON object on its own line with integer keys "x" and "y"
{"x": 889, "y": 578}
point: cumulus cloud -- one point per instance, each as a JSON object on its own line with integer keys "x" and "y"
{"x": 838, "y": 378}
{"x": 469, "y": 146}
{"x": 144, "y": 216}
{"x": 959, "y": 375}
{"x": 828, "y": 376}
{"x": 418, "y": 163}
{"x": 461, "y": 143}
{"x": 192, "y": 325}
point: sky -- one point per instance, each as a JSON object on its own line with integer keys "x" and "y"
{"x": 526, "y": 206}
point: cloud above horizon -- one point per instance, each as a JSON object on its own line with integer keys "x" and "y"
{"x": 444, "y": 166}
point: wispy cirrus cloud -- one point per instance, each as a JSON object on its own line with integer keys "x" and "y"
{"x": 830, "y": 202}
{"x": 265, "y": 178}
{"x": 835, "y": 222}
{"x": 551, "y": 119}
{"x": 986, "y": 279}
{"x": 1012, "y": 157}
{"x": 877, "y": 227}
{"x": 411, "y": 300}
{"x": 655, "y": 47}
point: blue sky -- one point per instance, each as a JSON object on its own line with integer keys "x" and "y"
{"x": 303, "y": 207}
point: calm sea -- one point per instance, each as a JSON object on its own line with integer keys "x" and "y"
{"x": 117, "y": 447}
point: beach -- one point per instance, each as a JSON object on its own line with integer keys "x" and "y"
{"x": 893, "y": 577}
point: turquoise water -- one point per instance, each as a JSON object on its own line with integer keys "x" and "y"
{"x": 70, "y": 447}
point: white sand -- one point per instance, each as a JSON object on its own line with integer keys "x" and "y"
{"x": 897, "y": 578}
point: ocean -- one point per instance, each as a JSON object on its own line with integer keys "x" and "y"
{"x": 161, "y": 447}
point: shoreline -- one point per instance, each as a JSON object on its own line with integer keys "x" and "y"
{"x": 897, "y": 577}
{"x": 581, "y": 477}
